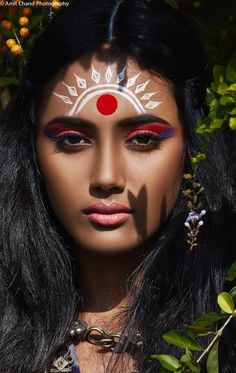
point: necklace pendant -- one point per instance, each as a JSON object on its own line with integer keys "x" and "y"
{"x": 62, "y": 364}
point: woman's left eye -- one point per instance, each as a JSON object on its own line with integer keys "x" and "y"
{"x": 144, "y": 140}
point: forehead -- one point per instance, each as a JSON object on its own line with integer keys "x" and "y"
{"x": 90, "y": 83}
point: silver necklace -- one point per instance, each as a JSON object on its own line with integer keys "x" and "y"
{"x": 96, "y": 335}
{"x": 81, "y": 332}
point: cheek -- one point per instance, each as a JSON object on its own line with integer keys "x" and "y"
{"x": 159, "y": 176}
{"x": 170, "y": 176}
{"x": 62, "y": 177}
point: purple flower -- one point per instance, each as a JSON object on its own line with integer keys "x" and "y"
{"x": 193, "y": 223}
{"x": 194, "y": 217}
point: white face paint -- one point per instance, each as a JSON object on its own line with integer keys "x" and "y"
{"x": 82, "y": 92}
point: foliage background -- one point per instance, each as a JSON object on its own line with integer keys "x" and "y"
{"x": 215, "y": 20}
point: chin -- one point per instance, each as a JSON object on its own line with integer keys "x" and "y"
{"x": 107, "y": 245}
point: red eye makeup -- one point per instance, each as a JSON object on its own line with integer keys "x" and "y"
{"x": 142, "y": 135}
{"x": 162, "y": 130}
{"x": 56, "y": 131}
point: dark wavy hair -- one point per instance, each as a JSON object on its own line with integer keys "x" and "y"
{"x": 39, "y": 296}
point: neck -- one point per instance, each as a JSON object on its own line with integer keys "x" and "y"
{"x": 103, "y": 280}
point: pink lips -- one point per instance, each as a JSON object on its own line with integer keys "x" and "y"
{"x": 108, "y": 215}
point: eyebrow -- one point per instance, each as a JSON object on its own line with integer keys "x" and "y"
{"x": 146, "y": 118}
{"x": 70, "y": 121}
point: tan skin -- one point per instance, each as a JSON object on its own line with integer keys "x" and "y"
{"x": 108, "y": 161}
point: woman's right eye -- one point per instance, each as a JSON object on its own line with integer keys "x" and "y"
{"x": 72, "y": 141}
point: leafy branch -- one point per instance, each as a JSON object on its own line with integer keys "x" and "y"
{"x": 192, "y": 193}
{"x": 221, "y": 100}
{"x": 20, "y": 26}
{"x": 206, "y": 325}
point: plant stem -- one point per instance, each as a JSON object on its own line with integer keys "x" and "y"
{"x": 15, "y": 34}
{"x": 14, "y": 31}
{"x": 217, "y": 336}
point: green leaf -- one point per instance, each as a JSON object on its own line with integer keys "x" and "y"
{"x": 34, "y": 21}
{"x": 202, "y": 326}
{"x": 211, "y": 96}
{"x": 231, "y": 273}
{"x": 187, "y": 192}
{"x": 188, "y": 354}
{"x": 233, "y": 293}
{"x": 168, "y": 361}
{"x": 232, "y": 94}
{"x": 187, "y": 176}
{"x": 187, "y": 359}
{"x": 204, "y": 129}
{"x": 232, "y": 123}
{"x": 232, "y": 88}
{"x": 231, "y": 110}
{"x": 212, "y": 359}
{"x": 198, "y": 330}
{"x": 8, "y": 80}
{"x": 219, "y": 73}
{"x": 217, "y": 123}
{"x": 222, "y": 89}
{"x": 217, "y": 113}
{"x": 231, "y": 71}
{"x": 213, "y": 103}
{"x": 194, "y": 366}
{"x": 226, "y": 303}
{"x": 201, "y": 156}
{"x": 226, "y": 99}
{"x": 8, "y": 33}
{"x": 182, "y": 340}
{"x": 207, "y": 319}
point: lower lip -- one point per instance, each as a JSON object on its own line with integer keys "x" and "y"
{"x": 109, "y": 219}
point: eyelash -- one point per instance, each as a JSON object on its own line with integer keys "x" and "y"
{"x": 153, "y": 141}
{"x": 148, "y": 135}
{"x": 62, "y": 141}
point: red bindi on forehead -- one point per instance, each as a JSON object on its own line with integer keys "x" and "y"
{"x": 107, "y": 104}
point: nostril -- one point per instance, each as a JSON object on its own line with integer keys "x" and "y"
{"x": 108, "y": 188}
{"x": 105, "y": 190}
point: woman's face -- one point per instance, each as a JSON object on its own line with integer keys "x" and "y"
{"x": 110, "y": 149}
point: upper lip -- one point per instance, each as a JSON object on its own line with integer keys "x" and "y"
{"x": 101, "y": 208}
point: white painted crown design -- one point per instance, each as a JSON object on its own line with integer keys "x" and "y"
{"x": 132, "y": 91}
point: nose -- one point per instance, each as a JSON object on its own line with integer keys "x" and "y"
{"x": 107, "y": 173}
